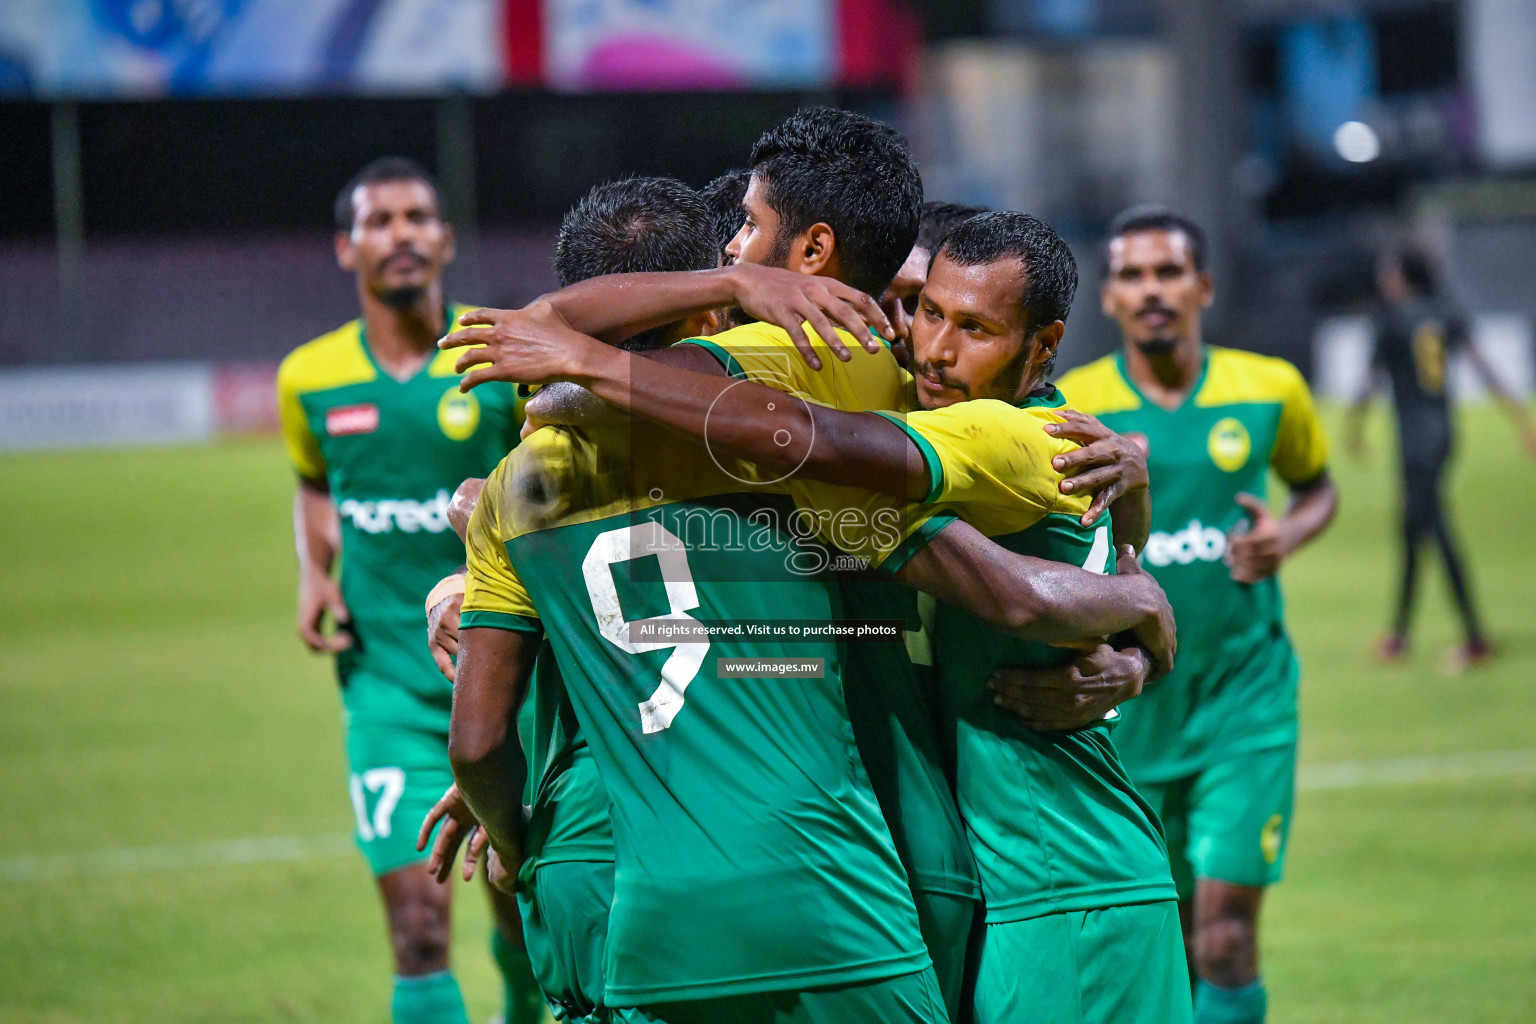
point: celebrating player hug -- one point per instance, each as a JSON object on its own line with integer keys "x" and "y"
{"x": 810, "y": 654}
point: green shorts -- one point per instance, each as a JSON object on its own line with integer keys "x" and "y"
{"x": 1119, "y": 965}
{"x": 905, "y": 999}
{"x": 395, "y": 775}
{"x": 947, "y": 922}
{"x": 565, "y": 926}
{"x": 1230, "y": 821}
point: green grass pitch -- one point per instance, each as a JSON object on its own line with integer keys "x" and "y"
{"x": 154, "y": 704}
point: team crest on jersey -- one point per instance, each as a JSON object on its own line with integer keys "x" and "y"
{"x": 1229, "y": 444}
{"x": 352, "y": 419}
{"x": 458, "y": 414}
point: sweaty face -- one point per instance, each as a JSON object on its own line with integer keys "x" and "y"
{"x": 968, "y": 333}
{"x": 900, "y": 299}
{"x": 1153, "y": 290}
{"x": 398, "y": 244}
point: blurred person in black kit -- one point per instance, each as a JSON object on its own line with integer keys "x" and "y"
{"x": 1418, "y": 330}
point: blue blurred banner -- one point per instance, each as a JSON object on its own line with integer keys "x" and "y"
{"x": 139, "y": 48}
{"x": 151, "y": 48}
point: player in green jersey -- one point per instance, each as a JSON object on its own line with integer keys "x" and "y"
{"x": 1065, "y": 845}
{"x": 1213, "y": 746}
{"x": 890, "y": 698}
{"x": 379, "y": 436}
{"x": 565, "y": 884}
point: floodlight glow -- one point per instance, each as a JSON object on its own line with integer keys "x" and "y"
{"x": 1356, "y": 142}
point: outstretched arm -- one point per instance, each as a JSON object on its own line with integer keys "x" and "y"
{"x": 483, "y": 746}
{"x": 619, "y": 305}
{"x": 740, "y": 418}
{"x": 1517, "y": 410}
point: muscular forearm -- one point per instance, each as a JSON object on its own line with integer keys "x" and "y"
{"x": 1030, "y": 598}
{"x": 776, "y": 430}
{"x": 483, "y": 745}
{"x": 1311, "y": 510}
{"x": 617, "y": 306}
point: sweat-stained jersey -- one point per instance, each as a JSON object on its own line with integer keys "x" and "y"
{"x": 392, "y": 453}
{"x": 1054, "y": 820}
{"x": 751, "y": 854}
{"x": 1233, "y": 688}
{"x": 891, "y": 696}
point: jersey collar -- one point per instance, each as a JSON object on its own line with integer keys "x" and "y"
{"x": 1125, "y": 375}
{"x": 1044, "y": 397}
{"x": 362, "y": 339}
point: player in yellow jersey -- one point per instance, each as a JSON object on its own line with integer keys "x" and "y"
{"x": 1080, "y": 911}
{"x": 1212, "y": 746}
{"x": 378, "y": 436}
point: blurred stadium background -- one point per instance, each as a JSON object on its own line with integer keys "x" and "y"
{"x": 174, "y": 843}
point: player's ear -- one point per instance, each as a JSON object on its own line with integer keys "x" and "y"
{"x": 1207, "y": 289}
{"x": 450, "y": 243}
{"x": 346, "y": 252}
{"x": 814, "y": 250}
{"x": 702, "y": 325}
{"x": 1047, "y": 340}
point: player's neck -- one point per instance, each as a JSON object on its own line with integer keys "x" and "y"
{"x": 1167, "y": 378}
{"x": 403, "y": 340}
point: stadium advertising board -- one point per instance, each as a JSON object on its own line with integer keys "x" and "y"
{"x": 155, "y": 48}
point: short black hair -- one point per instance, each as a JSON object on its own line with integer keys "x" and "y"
{"x": 1155, "y": 217}
{"x": 636, "y": 225}
{"x": 853, "y": 173}
{"x": 723, "y": 197}
{"x": 939, "y": 219}
{"x": 1050, "y": 272}
{"x": 385, "y": 168}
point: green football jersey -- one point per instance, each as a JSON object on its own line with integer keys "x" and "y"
{"x": 751, "y": 854}
{"x": 392, "y": 453}
{"x": 890, "y": 693}
{"x": 1054, "y": 821}
{"x": 893, "y": 702}
{"x": 1234, "y": 686}
{"x": 567, "y": 804}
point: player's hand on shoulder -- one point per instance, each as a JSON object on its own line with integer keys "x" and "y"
{"x": 787, "y": 299}
{"x": 1074, "y": 695}
{"x": 1157, "y": 633}
{"x": 459, "y": 825}
{"x": 319, "y": 596}
{"x": 1106, "y": 464}
{"x": 1255, "y": 553}
{"x": 533, "y": 345}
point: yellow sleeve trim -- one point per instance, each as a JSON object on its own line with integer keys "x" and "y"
{"x": 1235, "y": 377}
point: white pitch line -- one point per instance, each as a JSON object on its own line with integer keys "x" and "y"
{"x": 220, "y": 853}
{"x": 1402, "y": 771}
{"x": 1407, "y": 771}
